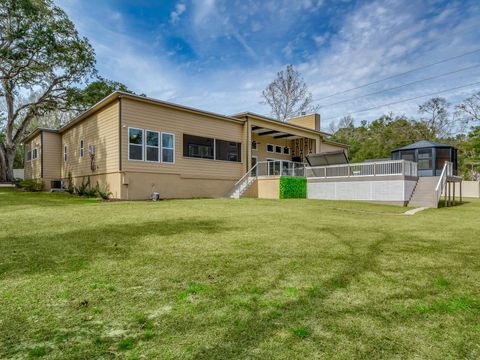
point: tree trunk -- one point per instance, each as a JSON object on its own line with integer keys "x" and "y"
{"x": 7, "y": 158}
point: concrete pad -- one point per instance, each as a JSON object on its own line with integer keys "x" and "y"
{"x": 414, "y": 211}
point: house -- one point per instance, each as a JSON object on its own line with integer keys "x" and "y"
{"x": 135, "y": 146}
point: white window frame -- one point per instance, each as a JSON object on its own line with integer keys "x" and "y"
{"x": 65, "y": 153}
{"x": 266, "y": 148}
{"x": 143, "y": 144}
{"x": 281, "y": 149}
{"x": 288, "y": 152}
{"x": 82, "y": 148}
{"x": 29, "y": 152}
{"x": 173, "y": 148}
{"x": 159, "y": 147}
{"x": 256, "y": 145}
{"x": 34, "y": 152}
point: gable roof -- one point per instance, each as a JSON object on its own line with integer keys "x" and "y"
{"x": 423, "y": 144}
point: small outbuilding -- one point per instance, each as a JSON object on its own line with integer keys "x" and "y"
{"x": 430, "y": 156}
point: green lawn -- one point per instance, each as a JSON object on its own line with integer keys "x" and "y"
{"x": 229, "y": 279}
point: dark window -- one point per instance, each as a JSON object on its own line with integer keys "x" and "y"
{"x": 228, "y": 150}
{"x": 29, "y": 156}
{"x": 424, "y": 159}
{"x": 278, "y": 149}
{"x": 270, "y": 148}
{"x": 198, "y": 147}
{"x": 152, "y": 145}
{"x": 34, "y": 154}
{"x": 135, "y": 144}
{"x": 286, "y": 150}
{"x": 254, "y": 145}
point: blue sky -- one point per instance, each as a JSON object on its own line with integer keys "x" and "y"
{"x": 218, "y": 55}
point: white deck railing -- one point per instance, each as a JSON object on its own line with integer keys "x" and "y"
{"x": 381, "y": 168}
{"x": 447, "y": 171}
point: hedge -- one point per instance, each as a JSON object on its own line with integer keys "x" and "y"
{"x": 293, "y": 187}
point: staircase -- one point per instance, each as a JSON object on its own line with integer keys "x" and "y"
{"x": 425, "y": 194}
{"x": 241, "y": 187}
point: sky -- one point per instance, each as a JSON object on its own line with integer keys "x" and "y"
{"x": 219, "y": 55}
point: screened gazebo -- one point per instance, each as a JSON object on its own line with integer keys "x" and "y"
{"x": 429, "y": 155}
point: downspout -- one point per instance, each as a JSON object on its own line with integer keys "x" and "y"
{"x": 41, "y": 155}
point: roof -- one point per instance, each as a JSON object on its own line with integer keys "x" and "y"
{"x": 423, "y": 144}
{"x": 263, "y": 117}
{"x": 37, "y": 131}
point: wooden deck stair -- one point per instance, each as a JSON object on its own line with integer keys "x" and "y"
{"x": 424, "y": 194}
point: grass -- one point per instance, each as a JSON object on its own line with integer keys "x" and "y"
{"x": 232, "y": 279}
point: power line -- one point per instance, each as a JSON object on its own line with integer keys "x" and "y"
{"x": 404, "y": 100}
{"x": 400, "y": 86}
{"x": 399, "y": 74}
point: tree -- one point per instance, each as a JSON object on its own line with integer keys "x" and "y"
{"x": 469, "y": 109}
{"x": 79, "y": 100}
{"x": 288, "y": 95}
{"x": 41, "y": 54}
{"x": 82, "y": 99}
{"x": 438, "y": 118}
{"x": 469, "y": 148}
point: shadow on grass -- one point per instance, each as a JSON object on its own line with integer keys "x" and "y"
{"x": 245, "y": 336}
{"x": 75, "y": 249}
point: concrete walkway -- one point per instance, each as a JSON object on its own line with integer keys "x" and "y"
{"x": 414, "y": 211}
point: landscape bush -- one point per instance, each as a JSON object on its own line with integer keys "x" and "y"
{"x": 86, "y": 190}
{"x": 29, "y": 184}
{"x": 293, "y": 187}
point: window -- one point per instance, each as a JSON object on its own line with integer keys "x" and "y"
{"x": 65, "y": 153}
{"x": 227, "y": 150}
{"x": 254, "y": 145}
{"x": 168, "y": 148}
{"x": 29, "y": 156}
{"x": 34, "y": 153}
{"x": 198, "y": 147}
{"x": 152, "y": 146}
{"x": 286, "y": 150}
{"x": 81, "y": 148}
{"x": 408, "y": 155}
{"x": 135, "y": 144}
{"x": 424, "y": 159}
{"x": 270, "y": 148}
{"x": 278, "y": 149}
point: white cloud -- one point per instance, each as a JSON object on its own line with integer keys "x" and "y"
{"x": 180, "y": 8}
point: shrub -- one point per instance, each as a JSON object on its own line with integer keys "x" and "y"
{"x": 17, "y": 182}
{"x": 70, "y": 187}
{"x": 86, "y": 190}
{"x": 31, "y": 185}
{"x": 293, "y": 187}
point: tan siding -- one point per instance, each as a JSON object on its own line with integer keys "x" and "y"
{"x": 324, "y": 147}
{"x": 52, "y": 156}
{"x": 311, "y": 121}
{"x": 159, "y": 118}
{"x": 100, "y": 129}
{"x": 33, "y": 168}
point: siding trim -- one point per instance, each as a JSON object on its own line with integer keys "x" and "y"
{"x": 120, "y": 133}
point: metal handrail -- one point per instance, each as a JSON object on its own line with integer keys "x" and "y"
{"x": 379, "y": 168}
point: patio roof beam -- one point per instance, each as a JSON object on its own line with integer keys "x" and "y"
{"x": 269, "y": 132}
{"x": 281, "y": 136}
